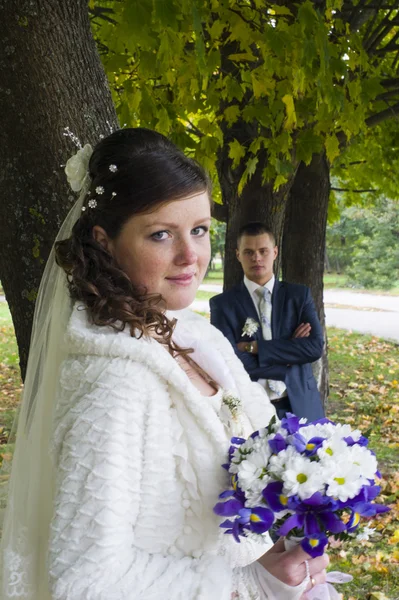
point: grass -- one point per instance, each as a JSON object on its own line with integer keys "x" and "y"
{"x": 10, "y": 381}
{"x": 339, "y": 281}
{"x": 365, "y": 394}
{"x": 200, "y": 295}
{"x": 214, "y": 277}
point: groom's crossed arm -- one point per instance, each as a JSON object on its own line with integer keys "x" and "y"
{"x": 299, "y": 349}
{"x": 223, "y": 320}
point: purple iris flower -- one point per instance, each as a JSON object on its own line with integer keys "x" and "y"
{"x": 273, "y": 494}
{"x": 277, "y": 444}
{"x": 370, "y": 509}
{"x": 298, "y": 441}
{"x": 362, "y": 505}
{"x": 314, "y": 516}
{"x": 234, "y": 528}
{"x": 313, "y": 445}
{"x": 291, "y": 423}
{"x": 238, "y": 441}
{"x": 258, "y": 519}
{"x": 254, "y": 435}
{"x": 314, "y": 544}
{"x": 229, "y": 508}
{"x": 362, "y": 441}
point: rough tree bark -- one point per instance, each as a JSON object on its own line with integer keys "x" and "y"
{"x": 51, "y": 77}
{"x": 304, "y": 238}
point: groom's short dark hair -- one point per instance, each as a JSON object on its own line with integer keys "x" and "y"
{"x": 255, "y": 228}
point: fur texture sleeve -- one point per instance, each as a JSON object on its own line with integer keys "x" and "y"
{"x": 110, "y": 448}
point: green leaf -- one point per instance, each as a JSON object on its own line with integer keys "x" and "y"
{"x": 290, "y": 121}
{"x": 236, "y": 152}
{"x": 280, "y": 10}
{"x": 332, "y": 147}
{"x": 166, "y": 12}
{"x": 163, "y": 121}
{"x": 199, "y": 40}
{"x": 308, "y": 143}
{"x": 244, "y": 56}
{"x": 279, "y": 181}
{"x": 231, "y": 114}
{"x": 249, "y": 171}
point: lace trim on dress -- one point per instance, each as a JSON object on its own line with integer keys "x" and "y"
{"x": 18, "y": 569}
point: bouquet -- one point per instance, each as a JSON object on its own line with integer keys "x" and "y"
{"x": 308, "y": 480}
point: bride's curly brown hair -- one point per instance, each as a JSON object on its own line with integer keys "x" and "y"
{"x": 132, "y": 171}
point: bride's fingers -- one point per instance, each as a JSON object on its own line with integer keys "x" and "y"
{"x": 279, "y": 546}
{"x": 316, "y": 565}
{"x": 316, "y": 579}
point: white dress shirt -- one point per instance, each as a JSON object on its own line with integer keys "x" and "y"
{"x": 252, "y": 287}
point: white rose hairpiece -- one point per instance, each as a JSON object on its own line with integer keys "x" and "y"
{"x": 77, "y": 167}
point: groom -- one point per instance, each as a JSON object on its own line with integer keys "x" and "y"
{"x": 285, "y": 336}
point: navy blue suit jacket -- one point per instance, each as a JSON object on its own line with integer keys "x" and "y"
{"x": 282, "y": 357}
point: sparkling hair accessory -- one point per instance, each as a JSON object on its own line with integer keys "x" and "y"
{"x": 77, "y": 168}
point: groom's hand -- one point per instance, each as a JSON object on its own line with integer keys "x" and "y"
{"x": 303, "y": 330}
{"x": 244, "y": 347}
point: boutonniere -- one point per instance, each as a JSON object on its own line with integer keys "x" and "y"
{"x": 232, "y": 402}
{"x": 250, "y": 327}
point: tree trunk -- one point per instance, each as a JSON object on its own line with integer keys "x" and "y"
{"x": 257, "y": 202}
{"x": 304, "y": 239}
{"x": 51, "y": 77}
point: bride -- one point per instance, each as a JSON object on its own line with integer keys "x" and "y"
{"x": 125, "y": 419}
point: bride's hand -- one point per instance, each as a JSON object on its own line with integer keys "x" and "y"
{"x": 289, "y": 566}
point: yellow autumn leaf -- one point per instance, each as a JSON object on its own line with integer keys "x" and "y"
{"x": 332, "y": 147}
{"x": 6, "y": 456}
{"x": 395, "y": 538}
{"x": 290, "y": 121}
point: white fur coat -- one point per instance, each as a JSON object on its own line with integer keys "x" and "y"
{"x": 138, "y": 452}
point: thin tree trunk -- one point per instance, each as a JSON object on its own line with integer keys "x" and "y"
{"x": 51, "y": 77}
{"x": 304, "y": 239}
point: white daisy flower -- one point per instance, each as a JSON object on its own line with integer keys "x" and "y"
{"x": 252, "y": 469}
{"x": 365, "y": 534}
{"x": 364, "y": 460}
{"x": 278, "y": 462}
{"x": 334, "y": 449}
{"x": 302, "y": 476}
{"x": 345, "y": 481}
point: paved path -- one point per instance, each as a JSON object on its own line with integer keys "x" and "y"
{"x": 381, "y": 320}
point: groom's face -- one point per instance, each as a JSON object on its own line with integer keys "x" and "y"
{"x": 257, "y": 253}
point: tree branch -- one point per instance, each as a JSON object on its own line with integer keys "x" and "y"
{"x": 334, "y": 189}
{"x": 101, "y": 12}
{"x": 388, "y": 95}
{"x": 378, "y": 118}
{"x": 194, "y": 130}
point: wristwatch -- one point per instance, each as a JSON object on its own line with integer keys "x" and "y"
{"x": 250, "y": 347}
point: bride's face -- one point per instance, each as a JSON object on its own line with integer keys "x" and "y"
{"x": 167, "y": 251}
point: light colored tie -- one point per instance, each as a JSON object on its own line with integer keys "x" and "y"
{"x": 265, "y": 312}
